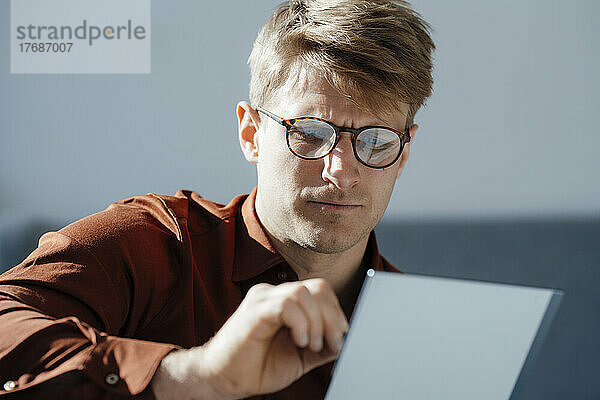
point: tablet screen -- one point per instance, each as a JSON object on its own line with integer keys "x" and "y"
{"x": 419, "y": 337}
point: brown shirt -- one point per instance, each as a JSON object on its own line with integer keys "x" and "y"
{"x": 94, "y": 309}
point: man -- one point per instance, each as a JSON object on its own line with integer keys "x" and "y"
{"x": 179, "y": 297}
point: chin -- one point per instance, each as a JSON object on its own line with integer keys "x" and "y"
{"x": 328, "y": 241}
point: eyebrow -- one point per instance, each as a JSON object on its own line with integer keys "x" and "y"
{"x": 315, "y": 113}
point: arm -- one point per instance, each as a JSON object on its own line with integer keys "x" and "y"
{"x": 59, "y": 322}
{"x": 70, "y": 358}
{"x": 68, "y": 312}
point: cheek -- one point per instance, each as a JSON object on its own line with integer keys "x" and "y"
{"x": 278, "y": 169}
{"x": 271, "y": 156}
{"x": 381, "y": 187}
{"x": 278, "y": 162}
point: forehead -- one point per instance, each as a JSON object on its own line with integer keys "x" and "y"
{"x": 308, "y": 94}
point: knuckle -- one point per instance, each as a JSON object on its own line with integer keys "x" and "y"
{"x": 257, "y": 297}
{"x": 286, "y": 304}
{"x": 320, "y": 284}
{"x": 299, "y": 291}
{"x": 292, "y": 318}
{"x": 258, "y": 289}
{"x": 263, "y": 319}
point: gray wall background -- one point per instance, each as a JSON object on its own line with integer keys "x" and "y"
{"x": 511, "y": 130}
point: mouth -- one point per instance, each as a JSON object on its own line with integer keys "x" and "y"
{"x": 334, "y": 205}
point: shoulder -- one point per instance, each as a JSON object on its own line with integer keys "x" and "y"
{"x": 138, "y": 218}
{"x": 165, "y": 217}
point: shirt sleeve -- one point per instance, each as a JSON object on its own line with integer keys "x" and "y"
{"x": 71, "y": 313}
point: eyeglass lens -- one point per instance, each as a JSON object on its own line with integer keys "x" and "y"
{"x": 377, "y": 146}
{"x": 309, "y": 138}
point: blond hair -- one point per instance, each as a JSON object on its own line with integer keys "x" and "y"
{"x": 377, "y": 53}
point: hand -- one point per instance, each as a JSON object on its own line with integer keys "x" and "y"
{"x": 277, "y": 334}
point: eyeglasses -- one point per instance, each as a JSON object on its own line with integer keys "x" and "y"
{"x": 312, "y": 138}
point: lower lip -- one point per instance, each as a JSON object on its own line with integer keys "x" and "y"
{"x": 334, "y": 207}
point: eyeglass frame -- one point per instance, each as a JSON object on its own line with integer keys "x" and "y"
{"x": 289, "y": 123}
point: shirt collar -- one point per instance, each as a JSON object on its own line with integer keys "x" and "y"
{"x": 254, "y": 253}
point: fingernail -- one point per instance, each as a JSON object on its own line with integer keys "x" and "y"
{"x": 319, "y": 343}
{"x": 345, "y": 323}
{"x": 338, "y": 345}
{"x": 304, "y": 341}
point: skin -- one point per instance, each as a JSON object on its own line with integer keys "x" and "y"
{"x": 318, "y": 215}
{"x": 305, "y": 204}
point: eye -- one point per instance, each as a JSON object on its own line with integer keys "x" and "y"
{"x": 310, "y": 138}
{"x": 307, "y": 135}
{"x": 378, "y": 146}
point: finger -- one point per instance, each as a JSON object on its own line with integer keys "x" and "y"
{"x": 333, "y": 329}
{"x": 311, "y": 308}
{"x": 334, "y": 322}
{"x": 323, "y": 292}
{"x": 293, "y": 317}
{"x": 311, "y": 360}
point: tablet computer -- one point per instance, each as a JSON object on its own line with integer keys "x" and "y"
{"x": 430, "y": 338}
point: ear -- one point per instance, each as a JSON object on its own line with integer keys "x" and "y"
{"x": 406, "y": 150}
{"x": 248, "y": 124}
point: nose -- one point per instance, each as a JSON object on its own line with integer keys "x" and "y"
{"x": 341, "y": 166}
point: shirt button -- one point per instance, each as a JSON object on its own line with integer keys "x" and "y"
{"x": 9, "y": 385}
{"x": 111, "y": 379}
{"x": 282, "y": 276}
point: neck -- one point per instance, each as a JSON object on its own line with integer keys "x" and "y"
{"x": 339, "y": 269}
